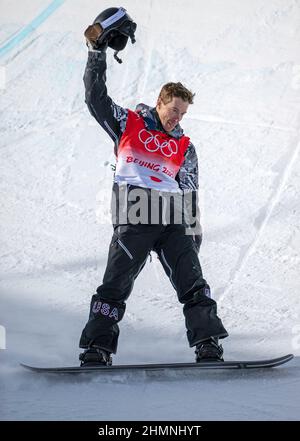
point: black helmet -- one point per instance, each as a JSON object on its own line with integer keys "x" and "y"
{"x": 117, "y": 26}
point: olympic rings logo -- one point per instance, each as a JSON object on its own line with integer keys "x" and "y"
{"x": 152, "y": 144}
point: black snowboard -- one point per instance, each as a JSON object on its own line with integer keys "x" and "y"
{"x": 251, "y": 364}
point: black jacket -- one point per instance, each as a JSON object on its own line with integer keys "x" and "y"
{"x": 113, "y": 118}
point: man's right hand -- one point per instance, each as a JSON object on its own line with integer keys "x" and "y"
{"x": 92, "y": 33}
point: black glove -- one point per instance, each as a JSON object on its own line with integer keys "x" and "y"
{"x": 197, "y": 240}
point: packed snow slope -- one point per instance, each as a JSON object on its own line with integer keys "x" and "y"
{"x": 242, "y": 59}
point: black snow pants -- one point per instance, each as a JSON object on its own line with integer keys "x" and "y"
{"x": 129, "y": 249}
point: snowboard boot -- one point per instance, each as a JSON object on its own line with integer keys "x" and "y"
{"x": 95, "y": 357}
{"x": 209, "y": 350}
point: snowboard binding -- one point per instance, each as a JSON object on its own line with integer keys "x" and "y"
{"x": 95, "y": 357}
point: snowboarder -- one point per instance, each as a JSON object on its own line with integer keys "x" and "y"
{"x": 156, "y": 162}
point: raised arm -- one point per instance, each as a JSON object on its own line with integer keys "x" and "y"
{"x": 108, "y": 114}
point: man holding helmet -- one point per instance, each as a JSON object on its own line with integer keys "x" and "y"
{"x": 155, "y": 162}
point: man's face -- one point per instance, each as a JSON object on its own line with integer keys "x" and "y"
{"x": 171, "y": 113}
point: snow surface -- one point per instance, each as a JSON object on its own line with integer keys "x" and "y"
{"x": 242, "y": 59}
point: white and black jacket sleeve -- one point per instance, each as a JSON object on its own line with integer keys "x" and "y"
{"x": 108, "y": 114}
{"x": 187, "y": 178}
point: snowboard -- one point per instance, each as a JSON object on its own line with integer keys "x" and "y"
{"x": 250, "y": 364}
